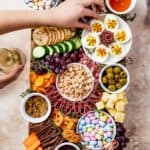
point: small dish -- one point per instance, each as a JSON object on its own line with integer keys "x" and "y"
{"x": 95, "y": 120}
{"x": 67, "y": 144}
{"x": 118, "y": 79}
{"x": 129, "y": 9}
{"x": 28, "y": 117}
{"x": 75, "y": 84}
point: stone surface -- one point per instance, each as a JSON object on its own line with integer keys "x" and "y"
{"x": 13, "y": 129}
{"x": 137, "y": 118}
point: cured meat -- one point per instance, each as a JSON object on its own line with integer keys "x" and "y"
{"x": 67, "y": 107}
{"x": 107, "y": 37}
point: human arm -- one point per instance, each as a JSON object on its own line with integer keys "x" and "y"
{"x": 67, "y": 14}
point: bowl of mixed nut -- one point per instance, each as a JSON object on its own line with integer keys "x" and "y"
{"x": 75, "y": 83}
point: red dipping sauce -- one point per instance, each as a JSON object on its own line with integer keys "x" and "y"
{"x": 120, "y": 5}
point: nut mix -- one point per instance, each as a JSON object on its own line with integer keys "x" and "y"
{"x": 75, "y": 82}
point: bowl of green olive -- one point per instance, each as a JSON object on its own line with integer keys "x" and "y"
{"x": 114, "y": 78}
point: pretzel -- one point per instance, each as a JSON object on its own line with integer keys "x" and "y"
{"x": 57, "y": 117}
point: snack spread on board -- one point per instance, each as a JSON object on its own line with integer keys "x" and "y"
{"x": 81, "y": 75}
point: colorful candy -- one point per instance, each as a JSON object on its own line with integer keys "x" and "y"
{"x": 97, "y": 129}
{"x": 41, "y": 4}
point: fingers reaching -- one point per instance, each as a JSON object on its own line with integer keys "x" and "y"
{"x": 83, "y": 25}
{"x": 90, "y": 13}
{"x": 87, "y": 3}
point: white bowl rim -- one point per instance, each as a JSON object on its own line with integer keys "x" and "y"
{"x": 67, "y": 143}
{"x": 115, "y": 130}
{"x": 117, "y": 91}
{"x": 26, "y": 116}
{"x": 92, "y": 86}
{"x": 132, "y": 6}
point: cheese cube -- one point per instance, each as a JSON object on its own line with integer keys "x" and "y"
{"x": 100, "y": 105}
{"x": 113, "y": 97}
{"x": 125, "y": 100}
{"x": 112, "y": 112}
{"x": 119, "y": 117}
{"x": 120, "y": 96}
{"x": 120, "y": 106}
{"x": 105, "y": 97}
{"x": 110, "y": 104}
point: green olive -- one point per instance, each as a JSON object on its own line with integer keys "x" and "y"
{"x": 112, "y": 87}
{"x": 111, "y": 81}
{"x": 110, "y": 75}
{"x": 104, "y": 80}
{"x": 123, "y": 74}
{"x": 117, "y": 70}
{"x": 118, "y": 85}
{"x": 123, "y": 81}
{"x": 117, "y": 77}
{"x": 109, "y": 70}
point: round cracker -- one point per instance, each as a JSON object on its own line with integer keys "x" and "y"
{"x": 40, "y": 36}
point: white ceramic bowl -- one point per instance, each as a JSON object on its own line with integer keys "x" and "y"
{"x": 117, "y": 91}
{"x": 74, "y": 99}
{"x": 132, "y": 6}
{"x": 67, "y": 143}
{"x": 114, "y": 135}
{"x": 27, "y": 117}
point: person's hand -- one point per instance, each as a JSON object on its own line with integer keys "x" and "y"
{"x": 6, "y": 78}
{"x": 70, "y": 12}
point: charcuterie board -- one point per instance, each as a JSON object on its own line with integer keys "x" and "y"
{"x": 78, "y": 85}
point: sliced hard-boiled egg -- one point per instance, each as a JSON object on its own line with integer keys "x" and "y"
{"x": 91, "y": 41}
{"x": 122, "y": 36}
{"x": 97, "y": 26}
{"x": 117, "y": 50}
{"x": 101, "y": 53}
{"x": 111, "y": 22}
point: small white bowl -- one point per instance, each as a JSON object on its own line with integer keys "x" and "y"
{"x": 27, "y": 117}
{"x": 132, "y": 6}
{"x": 114, "y": 135}
{"x": 74, "y": 99}
{"x": 117, "y": 91}
{"x": 67, "y": 143}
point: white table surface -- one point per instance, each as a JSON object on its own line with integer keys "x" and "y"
{"x": 13, "y": 128}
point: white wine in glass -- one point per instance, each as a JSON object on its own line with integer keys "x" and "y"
{"x": 7, "y": 60}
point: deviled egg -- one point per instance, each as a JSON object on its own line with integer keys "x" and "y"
{"x": 91, "y": 40}
{"x": 122, "y": 36}
{"x": 101, "y": 53}
{"x": 117, "y": 50}
{"x": 97, "y": 26}
{"x": 111, "y": 22}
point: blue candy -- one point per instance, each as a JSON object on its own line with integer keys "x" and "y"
{"x": 83, "y": 122}
{"x": 93, "y": 143}
{"x": 102, "y": 124}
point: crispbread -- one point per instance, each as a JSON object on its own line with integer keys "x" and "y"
{"x": 41, "y": 36}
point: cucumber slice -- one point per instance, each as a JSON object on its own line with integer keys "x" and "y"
{"x": 51, "y": 51}
{"x": 70, "y": 46}
{"x": 60, "y": 48}
{"x": 63, "y": 46}
{"x": 39, "y": 52}
{"x": 77, "y": 42}
{"x": 57, "y": 49}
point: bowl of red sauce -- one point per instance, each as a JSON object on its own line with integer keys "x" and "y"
{"x": 120, "y": 6}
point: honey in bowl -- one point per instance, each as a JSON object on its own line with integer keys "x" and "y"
{"x": 120, "y": 5}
